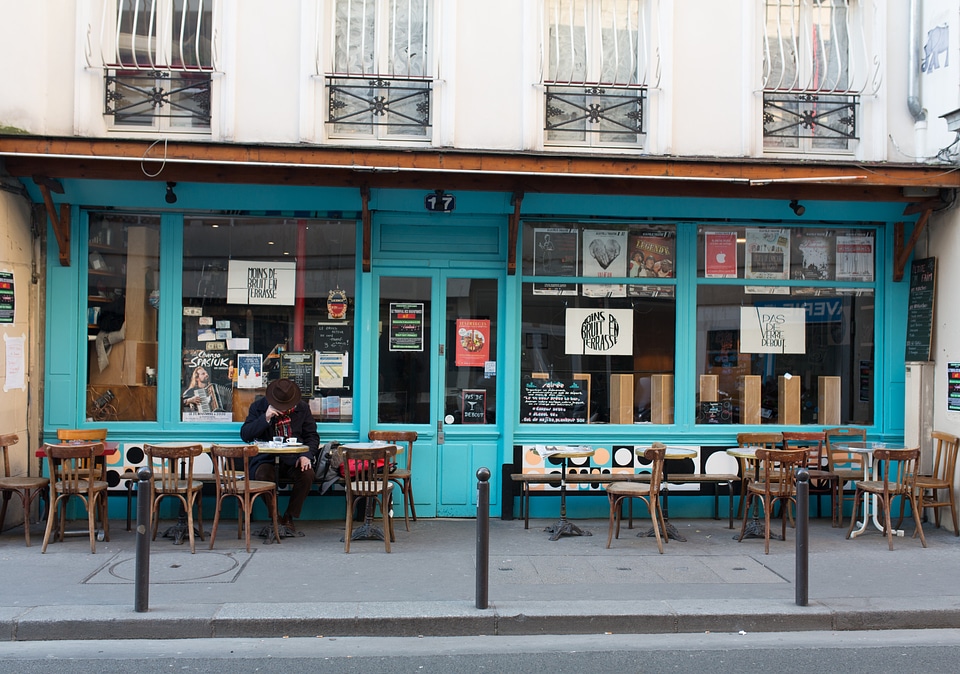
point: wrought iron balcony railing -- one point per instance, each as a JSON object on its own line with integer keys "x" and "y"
{"x": 810, "y": 115}
{"x": 141, "y": 97}
{"x": 608, "y": 111}
{"x": 393, "y": 105}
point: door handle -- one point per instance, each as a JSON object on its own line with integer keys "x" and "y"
{"x": 439, "y": 431}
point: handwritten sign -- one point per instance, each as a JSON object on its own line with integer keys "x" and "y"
{"x": 473, "y": 406}
{"x": 923, "y": 285}
{"x": 333, "y": 338}
{"x": 545, "y": 401}
{"x": 772, "y": 330}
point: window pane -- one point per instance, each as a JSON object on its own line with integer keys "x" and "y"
{"x": 123, "y": 281}
{"x": 265, "y": 298}
{"x": 472, "y": 339}
{"x": 404, "y": 377}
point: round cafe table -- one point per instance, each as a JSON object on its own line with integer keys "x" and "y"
{"x": 671, "y": 453}
{"x": 564, "y": 527}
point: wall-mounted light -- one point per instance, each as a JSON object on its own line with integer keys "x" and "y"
{"x": 171, "y": 198}
{"x": 797, "y": 207}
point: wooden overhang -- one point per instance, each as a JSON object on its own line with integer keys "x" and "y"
{"x": 49, "y": 159}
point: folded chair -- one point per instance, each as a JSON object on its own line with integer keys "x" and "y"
{"x": 25, "y": 486}
{"x": 234, "y": 482}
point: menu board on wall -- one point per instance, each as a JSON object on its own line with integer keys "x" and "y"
{"x": 548, "y": 401}
{"x": 923, "y": 281}
{"x": 298, "y": 367}
{"x": 334, "y": 337}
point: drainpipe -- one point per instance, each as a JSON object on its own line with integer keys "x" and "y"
{"x": 913, "y": 80}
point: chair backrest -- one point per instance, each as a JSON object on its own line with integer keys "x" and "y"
{"x": 365, "y": 469}
{"x": 169, "y": 462}
{"x": 68, "y": 465}
{"x": 84, "y": 434}
{"x": 231, "y": 478}
{"x": 765, "y": 440}
{"x": 5, "y": 441}
{"x": 898, "y": 467}
{"x": 841, "y": 458}
{"x": 779, "y": 468}
{"x": 395, "y": 438}
{"x": 945, "y": 448}
{"x": 813, "y": 442}
{"x": 655, "y": 456}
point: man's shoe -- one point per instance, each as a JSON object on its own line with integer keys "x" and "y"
{"x": 287, "y": 522}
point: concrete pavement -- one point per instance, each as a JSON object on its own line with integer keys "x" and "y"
{"x": 307, "y": 586}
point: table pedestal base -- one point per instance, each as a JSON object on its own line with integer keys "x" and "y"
{"x": 367, "y": 531}
{"x": 180, "y": 531}
{"x": 670, "y": 532}
{"x": 565, "y": 527}
{"x": 283, "y": 531}
{"x": 756, "y": 528}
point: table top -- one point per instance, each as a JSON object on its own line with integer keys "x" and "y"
{"x": 567, "y": 451}
{"x": 744, "y": 452}
{"x": 672, "y": 452}
{"x": 867, "y": 447}
{"x": 371, "y": 445}
{"x": 278, "y": 448}
{"x": 109, "y": 448}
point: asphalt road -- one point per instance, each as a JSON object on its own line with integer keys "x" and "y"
{"x": 850, "y": 652}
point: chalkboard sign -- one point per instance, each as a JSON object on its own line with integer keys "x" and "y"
{"x": 715, "y": 413}
{"x": 923, "y": 285}
{"x": 298, "y": 367}
{"x": 474, "y": 406}
{"x": 545, "y": 401}
{"x": 333, "y": 338}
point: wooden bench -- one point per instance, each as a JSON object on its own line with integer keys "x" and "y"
{"x": 525, "y": 480}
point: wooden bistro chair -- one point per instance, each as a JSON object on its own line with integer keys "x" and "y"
{"x": 648, "y": 492}
{"x": 364, "y": 478}
{"x": 822, "y": 481}
{"x": 70, "y": 475}
{"x": 778, "y": 483}
{"x": 234, "y": 482}
{"x": 89, "y": 435}
{"x": 748, "y": 467}
{"x": 898, "y": 468}
{"x": 402, "y": 476}
{"x": 25, "y": 486}
{"x": 847, "y": 466}
{"x": 940, "y": 479}
{"x": 172, "y": 467}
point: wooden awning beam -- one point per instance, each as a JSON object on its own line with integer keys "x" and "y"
{"x": 901, "y": 251}
{"x": 514, "y": 230}
{"x": 61, "y": 222}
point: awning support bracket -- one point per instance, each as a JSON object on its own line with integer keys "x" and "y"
{"x": 901, "y": 251}
{"x": 61, "y": 222}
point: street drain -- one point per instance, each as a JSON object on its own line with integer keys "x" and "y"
{"x": 505, "y": 568}
{"x": 624, "y": 568}
{"x": 739, "y": 568}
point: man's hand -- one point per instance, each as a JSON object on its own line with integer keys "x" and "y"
{"x": 272, "y": 412}
{"x": 303, "y": 463}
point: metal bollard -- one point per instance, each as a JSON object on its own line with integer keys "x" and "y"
{"x": 803, "y": 536}
{"x": 142, "y": 574}
{"x": 483, "y": 536}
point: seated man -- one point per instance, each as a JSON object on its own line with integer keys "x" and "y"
{"x": 282, "y": 413}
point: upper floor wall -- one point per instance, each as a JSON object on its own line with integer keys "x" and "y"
{"x": 823, "y": 79}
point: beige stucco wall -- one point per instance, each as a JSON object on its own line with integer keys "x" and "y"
{"x": 20, "y": 407}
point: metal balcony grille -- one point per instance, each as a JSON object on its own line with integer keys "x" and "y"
{"x": 828, "y": 117}
{"x": 396, "y": 106}
{"x": 606, "y": 111}
{"x": 143, "y": 97}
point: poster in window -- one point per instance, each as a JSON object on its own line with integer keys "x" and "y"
{"x": 767, "y": 253}
{"x": 207, "y": 387}
{"x": 953, "y": 387}
{"x": 602, "y": 332}
{"x": 813, "y": 255}
{"x": 7, "y": 297}
{"x": 605, "y": 256}
{"x": 773, "y": 330}
{"x": 855, "y": 258}
{"x": 406, "y": 326}
{"x": 261, "y": 282}
{"x": 473, "y": 406}
{"x": 652, "y": 254}
{"x": 473, "y": 342}
{"x": 297, "y": 366}
{"x": 720, "y": 253}
{"x": 555, "y": 253}
{"x": 249, "y": 370}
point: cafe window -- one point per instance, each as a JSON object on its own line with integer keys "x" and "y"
{"x": 785, "y": 326}
{"x": 598, "y": 342}
{"x": 265, "y": 298}
{"x": 123, "y": 281}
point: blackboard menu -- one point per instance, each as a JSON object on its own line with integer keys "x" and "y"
{"x": 333, "y": 338}
{"x": 923, "y": 285}
{"x": 298, "y": 367}
{"x": 715, "y": 413}
{"x": 545, "y": 401}
{"x": 474, "y": 406}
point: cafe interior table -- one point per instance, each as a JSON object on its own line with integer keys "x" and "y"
{"x": 369, "y": 530}
{"x": 277, "y": 450}
{"x": 869, "y": 473}
{"x": 671, "y": 453}
{"x": 564, "y": 527}
{"x": 755, "y": 528}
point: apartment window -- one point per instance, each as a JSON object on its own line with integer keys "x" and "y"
{"x": 158, "y": 59}
{"x": 382, "y": 75}
{"x": 814, "y": 71}
{"x": 596, "y": 69}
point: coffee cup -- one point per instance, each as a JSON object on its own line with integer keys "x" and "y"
{"x": 291, "y": 441}
{"x": 278, "y": 439}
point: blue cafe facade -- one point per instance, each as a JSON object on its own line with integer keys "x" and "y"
{"x": 490, "y": 310}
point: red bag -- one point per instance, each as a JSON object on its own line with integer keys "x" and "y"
{"x": 355, "y": 464}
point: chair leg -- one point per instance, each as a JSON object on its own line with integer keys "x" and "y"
{"x": 348, "y": 528}
{"x": 3, "y": 509}
{"x": 916, "y": 519}
{"x": 857, "y": 497}
{"x": 51, "y": 516}
{"x": 656, "y": 518}
{"x": 216, "y": 521}
{"x": 272, "y": 506}
{"x": 612, "y": 499}
{"x": 953, "y": 511}
{"x": 188, "y": 505}
{"x": 408, "y": 493}
{"x": 745, "y": 508}
{"x": 385, "y": 516}
{"x": 92, "y": 523}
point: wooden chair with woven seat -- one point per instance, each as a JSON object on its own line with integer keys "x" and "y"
{"x": 777, "y": 484}
{"x": 172, "y": 466}
{"x": 90, "y": 435}
{"x": 822, "y": 481}
{"x": 233, "y": 481}
{"x": 70, "y": 476}
{"x": 364, "y": 479}
{"x": 847, "y": 466}
{"x": 939, "y": 479}
{"x": 898, "y": 470}
{"x": 403, "y": 476}
{"x": 747, "y": 467}
{"x": 25, "y": 486}
{"x": 648, "y": 492}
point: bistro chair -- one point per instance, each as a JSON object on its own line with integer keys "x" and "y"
{"x": 364, "y": 479}
{"x": 172, "y": 467}
{"x": 777, "y": 483}
{"x": 89, "y": 435}
{"x": 748, "y": 468}
{"x": 234, "y": 481}
{"x": 402, "y": 476}
{"x": 25, "y": 486}
{"x": 822, "y": 481}
{"x": 70, "y": 475}
{"x": 847, "y": 466}
{"x": 648, "y": 492}
{"x": 940, "y": 479}
{"x": 898, "y": 468}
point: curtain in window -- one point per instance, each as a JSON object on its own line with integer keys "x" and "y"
{"x": 384, "y": 38}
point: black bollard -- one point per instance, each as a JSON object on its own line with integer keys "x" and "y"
{"x": 142, "y": 574}
{"x": 803, "y": 535}
{"x": 483, "y": 536}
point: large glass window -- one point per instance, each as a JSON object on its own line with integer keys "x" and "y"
{"x": 265, "y": 298}
{"x": 123, "y": 282}
{"x": 785, "y": 326}
{"x": 599, "y": 323}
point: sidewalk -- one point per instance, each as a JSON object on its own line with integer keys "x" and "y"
{"x": 307, "y": 586}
